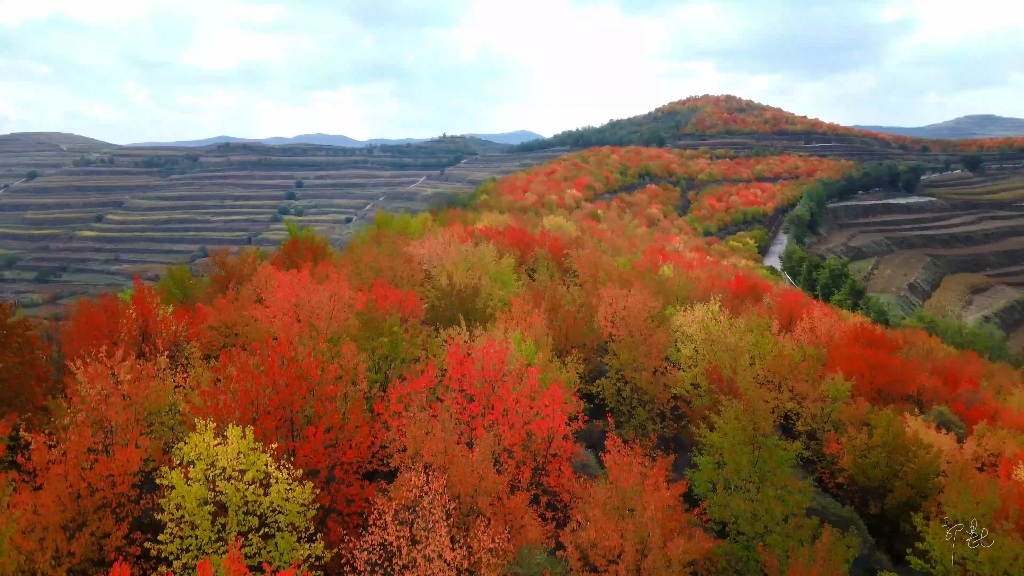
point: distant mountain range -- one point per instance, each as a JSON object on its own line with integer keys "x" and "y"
{"x": 517, "y": 137}
{"x": 974, "y": 126}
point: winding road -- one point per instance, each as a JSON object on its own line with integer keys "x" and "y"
{"x": 16, "y": 183}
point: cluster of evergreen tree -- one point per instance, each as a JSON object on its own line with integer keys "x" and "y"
{"x": 809, "y": 213}
{"x": 652, "y": 129}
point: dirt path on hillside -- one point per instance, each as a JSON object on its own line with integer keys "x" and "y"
{"x": 989, "y": 300}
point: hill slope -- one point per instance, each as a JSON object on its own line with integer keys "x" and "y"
{"x": 46, "y": 141}
{"x": 470, "y": 388}
{"x": 516, "y": 137}
{"x": 703, "y": 117}
{"x": 964, "y": 127}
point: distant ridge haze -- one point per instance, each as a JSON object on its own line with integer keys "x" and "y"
{"x": 972, "y": 126}
{"x": 517, "y": 137}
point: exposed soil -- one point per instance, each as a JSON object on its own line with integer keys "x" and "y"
{"x": 895, "y": 271}
{"x": 989, "y": 300}
{"x": 917, "y": 243}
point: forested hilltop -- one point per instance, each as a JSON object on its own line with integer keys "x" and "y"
{"x": 579, "y": 368}
{"x": 715, "y": 116}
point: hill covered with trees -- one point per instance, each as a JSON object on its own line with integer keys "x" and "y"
{"x": 707, "y": 116}
{"x": 579, "y": 368}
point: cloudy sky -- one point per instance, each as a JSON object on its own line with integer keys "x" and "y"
{"x": 139, "y": 70}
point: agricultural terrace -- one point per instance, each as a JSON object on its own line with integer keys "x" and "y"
{"x": 99, "y": 214}
{"x": 955, "y": 250}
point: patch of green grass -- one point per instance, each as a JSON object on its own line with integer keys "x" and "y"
{"x": 893, "y": 304}
{"x": 859, "y": 268}
{"x": 32, "y": 231}
{"x": 69, "y": 215}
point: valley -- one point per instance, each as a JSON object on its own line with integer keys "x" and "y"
{"x": 98, "y": 214}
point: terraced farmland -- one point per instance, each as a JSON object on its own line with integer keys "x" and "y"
{"x": 98, "y": 214}
{"x": 958, "y": 248}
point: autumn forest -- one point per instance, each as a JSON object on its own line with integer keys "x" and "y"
{"x": 581, "y": 368}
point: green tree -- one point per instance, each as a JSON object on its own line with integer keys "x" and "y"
{"x": 745, "y": 474}
{"x": 179, "y": 286}
{"x": 221, "y": 487}
{"x": 798, "y": 223}
{"x": 944, "y": 419}
{"x": 910, "y": 182}
{"x": 850, "y": 296}
{"x": 872, "y": 307}
{"x": 31, "y": 175}
{"x": 807, "y": 276}
{"x": 967, "y": 495}
{"x": 972, "y": 161}
{"x": 888, "y": 475}
{"x": 984, "y": 338}
{"x": 299, "y": 183}
{"x": 830, "y": 278}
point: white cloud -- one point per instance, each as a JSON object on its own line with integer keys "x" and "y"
{"x": 181, "y": 69}
{"x": 139, "y": 96}
{"x": 7, "y": 111}
{"x": 225, "y": 47}
{"x": 101, "y": 112}
{"x": 348, "y": 111}
{"x": 15, "y": 12}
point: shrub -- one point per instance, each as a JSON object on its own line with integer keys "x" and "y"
{"x": 298, "y": 211}
{"x": 284, "y": 210}
{"x": 290, "y": 195}
{"x": 944, "y": 419}
{"x": 219, "y": 487}
{"x": 99, "y": 217}
{"x": 299, "y": 184}
{"x": 31, "y": 175}
{"x": 179, "y": 286}
{"x": 536, "y": 561}
{"x": 275, "y": 217}
{"x": 984, "y": 338}
{"x": 972, "y": 161}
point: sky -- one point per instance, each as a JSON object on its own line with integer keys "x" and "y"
{"x": 128, "y": 71}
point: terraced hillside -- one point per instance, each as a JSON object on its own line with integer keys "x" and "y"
{"x": 97, "y": 213}
{"x": 956, "y": 249}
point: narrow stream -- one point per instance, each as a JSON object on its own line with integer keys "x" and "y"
{"x": 773, "y": 258}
